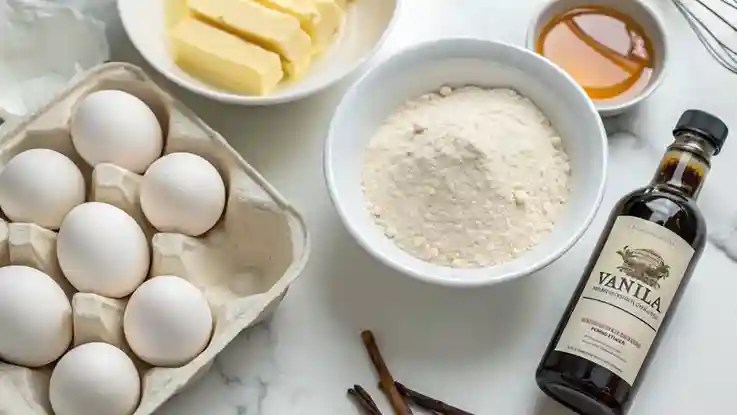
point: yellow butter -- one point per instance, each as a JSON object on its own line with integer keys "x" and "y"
{"x": 319, "y": 18}
{"x": 274, "y": 31}
{"x": 174, "y": 12}
{"x": 224, "y": 60}
{"x": 331, "y": 14}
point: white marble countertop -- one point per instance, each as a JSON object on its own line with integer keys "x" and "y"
{"x": 477, "y": 349}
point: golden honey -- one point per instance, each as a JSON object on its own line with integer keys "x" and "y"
{"x": 606, "y": 51}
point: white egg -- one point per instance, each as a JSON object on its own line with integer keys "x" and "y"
{"x": 102, "y": 250}
{"x": 40, "y": 186}
{"x": 95, "y": 379}
{"x": 184, "y": 193}
{"x": 116, "y": 127}
{"x": 167, "y": 321}
{"x": 35, "y": 317}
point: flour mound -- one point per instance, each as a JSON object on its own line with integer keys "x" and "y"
{"x": 469, "y": 178}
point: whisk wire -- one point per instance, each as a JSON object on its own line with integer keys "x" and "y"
{"x": 719, "y": 16}
{"x": 711, "y": 33}
{"x": 722, "y": 52}
{"x": 730, "y": 3}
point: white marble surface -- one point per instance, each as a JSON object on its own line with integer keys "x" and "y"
{"x": 474, "y": 348}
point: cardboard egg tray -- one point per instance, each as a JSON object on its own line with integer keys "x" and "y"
{"x": 244, "y": 265}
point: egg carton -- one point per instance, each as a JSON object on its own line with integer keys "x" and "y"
{"x": 244, "y": 265}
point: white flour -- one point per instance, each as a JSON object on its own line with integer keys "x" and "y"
{"x": 466, "y": 178}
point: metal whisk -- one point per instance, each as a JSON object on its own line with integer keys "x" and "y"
{"x": 724, "y": 53}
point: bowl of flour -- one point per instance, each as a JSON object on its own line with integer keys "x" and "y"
{"x": 466, "y": 162}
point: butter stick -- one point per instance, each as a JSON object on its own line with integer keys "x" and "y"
{"x": 319, "y": 18}
{"x": 223, "y": 59}
{"x": 274, "y": 31}
{"x": 331, "y": 14}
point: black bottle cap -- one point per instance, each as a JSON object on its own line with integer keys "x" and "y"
{"x": 705, "y": 125}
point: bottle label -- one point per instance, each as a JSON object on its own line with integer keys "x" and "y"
{"x": 626, "y": 297}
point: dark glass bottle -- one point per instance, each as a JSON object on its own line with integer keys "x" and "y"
{"x": 634, "y": 280}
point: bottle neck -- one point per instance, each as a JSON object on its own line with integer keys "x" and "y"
{"x": 685, "y": 165}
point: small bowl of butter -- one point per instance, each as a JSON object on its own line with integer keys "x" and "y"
{"x": 257, "y": 52}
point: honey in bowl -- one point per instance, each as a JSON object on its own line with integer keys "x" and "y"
{"x": 606, "y": 51}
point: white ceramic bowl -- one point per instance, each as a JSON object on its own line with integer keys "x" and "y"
{"x": 366, "y": 26}
{"x": 643, "y": 13}
{"x": 458, "y": 62}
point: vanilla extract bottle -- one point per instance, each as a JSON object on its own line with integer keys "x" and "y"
{"x": 634, "y": 280}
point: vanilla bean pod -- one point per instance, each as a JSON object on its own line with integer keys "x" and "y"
{"x": 364, "y": 402}
{"x": 429, "y": 403}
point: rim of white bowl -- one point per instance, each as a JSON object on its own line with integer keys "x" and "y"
{"x": 432, "y": 278}
{"x": 247, "y": 100}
